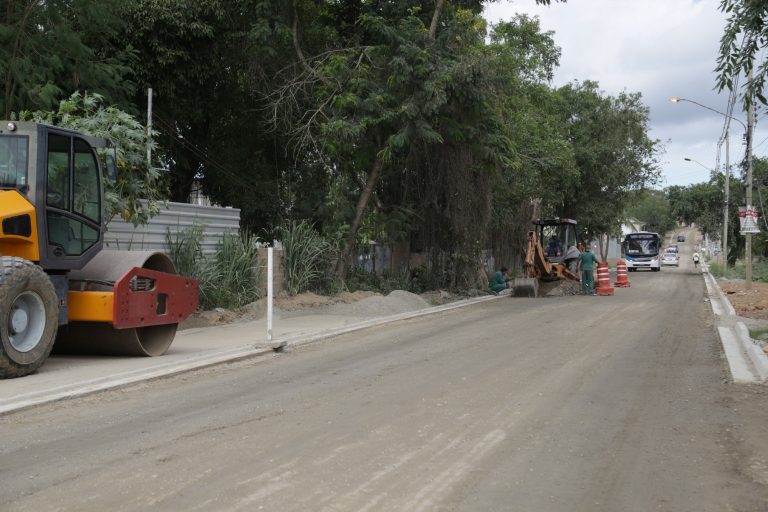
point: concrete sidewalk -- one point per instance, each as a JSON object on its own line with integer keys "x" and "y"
{"x": 746, "y": 359}
{"x": 64, "y": 377}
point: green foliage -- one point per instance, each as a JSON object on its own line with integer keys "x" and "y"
{"x": 48, "y": 50}
{"x": 230, "y": 278}
{"x": 232, "y": 275}
{"x": 738, "y": 270}
{"x": 744, "y": 36}
{"x": 306, "y": 256}
{"x": 136, "y": 192}
{"x": 184, "y": 247}
{"x": 700, "y": 203}
{"x": 613, "y": 155}
{"x": 652, "y": 208}
{"x": 759, "y": 333}
{"x": 210, "y": 64}
{"x": 385, "y": 283}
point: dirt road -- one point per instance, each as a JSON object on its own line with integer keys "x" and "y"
{"x": 564, "y": 404}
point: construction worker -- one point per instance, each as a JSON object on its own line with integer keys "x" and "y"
{"x": 587, "y": 263}
{"x": 553, "y": 248}
{"x": 499, "y": 280}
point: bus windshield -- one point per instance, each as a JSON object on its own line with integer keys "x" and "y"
{"x": 641, "y": 244}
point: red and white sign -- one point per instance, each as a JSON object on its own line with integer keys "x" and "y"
{"x": 748, "y": 219}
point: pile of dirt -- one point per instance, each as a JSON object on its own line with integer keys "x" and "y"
{"x": 359, "y": 303}
{"x": 561, "y": 288}
{"x": 309, "y": 300}
{"x": 747, "y": 303}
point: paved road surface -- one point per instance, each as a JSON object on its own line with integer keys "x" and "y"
{"x": 567, "y": 404}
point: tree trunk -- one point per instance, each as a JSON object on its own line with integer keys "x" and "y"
{"x": 439, "y": 4}
{"x": 362, "y": 203}
{"x": 603, "y": 241}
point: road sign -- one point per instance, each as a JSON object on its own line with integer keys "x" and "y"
{"x": 748, "y": 220}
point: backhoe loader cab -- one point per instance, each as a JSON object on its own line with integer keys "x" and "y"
{"x": 556, "y": 236}
{"x": 53, "y": 271}
{"x": 547, "y": 255}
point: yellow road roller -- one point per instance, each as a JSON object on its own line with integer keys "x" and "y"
{"x": 58, "y": 289}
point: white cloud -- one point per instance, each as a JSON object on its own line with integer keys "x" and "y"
{"x": 660, "y": 48}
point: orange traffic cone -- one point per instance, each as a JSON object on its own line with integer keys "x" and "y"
{"x": 603, "y": 280}
{"x": 622, "y": 281}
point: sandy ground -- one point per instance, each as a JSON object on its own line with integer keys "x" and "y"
{"x": 359, "y": 303}
{"x": 747, "y": 303}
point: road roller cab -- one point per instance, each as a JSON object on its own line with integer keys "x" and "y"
{"x": 55, "y": 277}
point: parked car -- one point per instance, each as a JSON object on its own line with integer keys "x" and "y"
{"x": 670, "y": 258}
{"x": 681, "y": 238}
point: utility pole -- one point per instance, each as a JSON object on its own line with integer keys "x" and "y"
{"x": 748, "y": 242}
{"x": 727, "y": 197}
{"x": 149, "y": 128}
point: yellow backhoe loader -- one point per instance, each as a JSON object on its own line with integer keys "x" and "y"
{"x": 58, "y": 288}
{"x": 548, "y": 261}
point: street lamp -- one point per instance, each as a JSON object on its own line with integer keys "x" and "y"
{"x": 748, "y": 277}
{"x": 697, "y": 162}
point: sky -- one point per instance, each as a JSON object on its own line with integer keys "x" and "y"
{"x": 660, "y": 48}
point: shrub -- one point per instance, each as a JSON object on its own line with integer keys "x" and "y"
{"x": 230, "y": 278}
{"x": 306, "y": 256}
{"x": 185, "y": 249}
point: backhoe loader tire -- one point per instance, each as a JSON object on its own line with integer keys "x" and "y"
{"x": 29, "y": 315}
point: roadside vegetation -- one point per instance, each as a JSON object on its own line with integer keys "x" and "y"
{"x": 333, "y": 124}
{"x": 229, "y": 278}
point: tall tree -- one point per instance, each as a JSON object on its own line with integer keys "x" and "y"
{"x": 652, "y": 208}
{"x": 613, "y": 154}
{"x": 744, "y": 36}
{"x": 51, "y": 49}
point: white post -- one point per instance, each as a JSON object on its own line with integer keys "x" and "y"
{"x": 149, "y": 128}
{"x": 269, "y": 294}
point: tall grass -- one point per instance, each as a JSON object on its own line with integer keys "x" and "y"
{"x": 738, "y": 270}
{"x": 230, "y": 278}
{"x": 185, "y": 249}
{"x": 306, "y": 256}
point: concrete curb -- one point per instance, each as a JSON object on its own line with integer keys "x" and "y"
{"x": 88, "y": 387}
{"x": 737, "y": 335}
{"x": 213, "y": 358}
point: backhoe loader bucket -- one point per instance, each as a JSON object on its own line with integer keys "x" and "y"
{"x": 526, "y": 287}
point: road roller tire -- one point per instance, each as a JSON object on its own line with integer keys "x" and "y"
{"x": 29, "y": 317}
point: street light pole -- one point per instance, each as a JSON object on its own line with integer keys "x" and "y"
{"x": 725, "y": 210}
{"x": 727, "y": 192}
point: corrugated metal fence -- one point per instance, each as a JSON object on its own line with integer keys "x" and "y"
{"x": 175, "y": 217}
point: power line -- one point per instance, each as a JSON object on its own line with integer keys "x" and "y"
{"x": 205, "y": 158}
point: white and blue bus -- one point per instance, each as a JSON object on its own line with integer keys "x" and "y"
{"x": 641, "y": 250}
